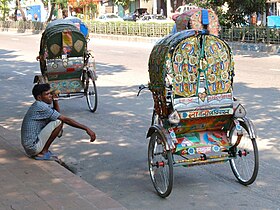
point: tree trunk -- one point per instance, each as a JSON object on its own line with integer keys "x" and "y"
{"x": 15, "y": 18}
{"x": 21, "y": 11}
{"x": 51, "y": 12}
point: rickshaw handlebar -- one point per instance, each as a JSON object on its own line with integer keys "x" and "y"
{"x": 141, "y": 87}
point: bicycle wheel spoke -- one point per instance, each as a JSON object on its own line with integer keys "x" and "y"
{"x": 245, "y": 165}
{"x": 160, "y": 166}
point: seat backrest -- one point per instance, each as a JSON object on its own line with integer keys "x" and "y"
{"x": 62, "y": 69}
{"x": 64, "y": 75}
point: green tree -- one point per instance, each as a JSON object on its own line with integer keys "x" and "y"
{"x": 63, "y": 4}
{"x": 240, "y": 9}
{"x": 237, "y": 11}
{"x": 4, "y": 8}
{"x": 123, "y": 3}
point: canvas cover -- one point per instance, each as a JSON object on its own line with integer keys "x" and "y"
{"x": 200, "y": 70}
{"x": 62, "y": 37}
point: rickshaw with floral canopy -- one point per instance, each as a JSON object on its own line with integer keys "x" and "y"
{"x": 66, "y": 63}
{"x": 196, "y": 119}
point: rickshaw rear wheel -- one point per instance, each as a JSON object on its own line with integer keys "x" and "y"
{"x": 90, "y": 93}
{"x": 160, "y": 165}
{"x": 245, "y": 165}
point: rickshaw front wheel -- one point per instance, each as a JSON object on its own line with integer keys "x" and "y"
{"x": 160, "y": 165}
{"x": 90, "y": 93}
{"x": 245, "y": 165}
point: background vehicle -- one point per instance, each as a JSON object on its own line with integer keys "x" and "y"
{"x": 185, "y": 8}
{"x": 65, "y": 62}
{"x": 129, "y": 17}
{"x": 109, "y": 17}
{"x": 154, "y": 18}
{"x": 140, "y": 12}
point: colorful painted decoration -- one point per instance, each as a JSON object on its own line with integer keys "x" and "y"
{"x": 67, "y": 41}
{"x": 198, "y": 67}
{"x": 203, "y": 142}
{"x": 67, "y": 86}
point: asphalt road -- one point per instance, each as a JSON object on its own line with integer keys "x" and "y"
{"x": 117, "y": 162}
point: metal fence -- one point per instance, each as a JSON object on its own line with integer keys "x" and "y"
{"x": 240, "y": 34}
{"x": 131, "y": 28}
{"x": 21, "y": 26}
{"x": 264, "y": 35}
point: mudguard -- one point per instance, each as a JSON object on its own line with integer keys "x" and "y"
{"x": 250, "y": 126}
{"x": 165, "y": 136}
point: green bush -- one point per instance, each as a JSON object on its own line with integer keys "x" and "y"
{"x": 151, "y": 29}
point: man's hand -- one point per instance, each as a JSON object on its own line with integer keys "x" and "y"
{"x": 92, "y": 135}
{"x": 55, "y": 94}
{"x": 75, "y": 124}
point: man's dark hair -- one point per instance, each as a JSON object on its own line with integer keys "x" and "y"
{"x": 38, "y": 89}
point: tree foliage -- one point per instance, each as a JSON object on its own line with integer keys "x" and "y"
{"x": 4, "y": 8}
{"x": 62, "y": 4}
{"x": 123, "y": 3}
{"x": 237, "y": 10}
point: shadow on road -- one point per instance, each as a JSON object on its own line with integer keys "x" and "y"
{"x": 117, "y": 162}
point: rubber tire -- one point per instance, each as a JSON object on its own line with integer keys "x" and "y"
{"x": 236, "y": 173}
{"x": 169, "y": 163}
{"x": 91, "y": 99}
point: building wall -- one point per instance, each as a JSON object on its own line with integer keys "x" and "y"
{"x": 148, "y": 5}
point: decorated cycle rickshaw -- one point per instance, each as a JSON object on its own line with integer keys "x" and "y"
{"x": 65, "y": 61}
{"x": 196, "y": 120}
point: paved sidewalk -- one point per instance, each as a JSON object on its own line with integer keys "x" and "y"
{"x": 27, "y": 184}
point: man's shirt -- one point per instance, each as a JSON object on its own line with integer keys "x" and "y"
{"x": 36, "y": 118}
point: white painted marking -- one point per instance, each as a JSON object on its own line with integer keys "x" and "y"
{"x": 117, "y": 51}
{"x": 275, "y": 69}
{"x": 105, "y": 65}
{"x": 19, "y": 73}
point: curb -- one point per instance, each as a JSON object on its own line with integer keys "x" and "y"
{"x": 255, "y": 48}
{"x": 32, "y": 184}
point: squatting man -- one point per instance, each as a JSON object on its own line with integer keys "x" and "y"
{"x": 43, "y": 123}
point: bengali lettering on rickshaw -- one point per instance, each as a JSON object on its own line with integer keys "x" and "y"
{"x": 206, "y": 113}
{"x": 219, "y": 97}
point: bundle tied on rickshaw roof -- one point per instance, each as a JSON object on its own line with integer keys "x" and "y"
{"x": 194, "y": 18}
{"x": 62, "y": 37}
